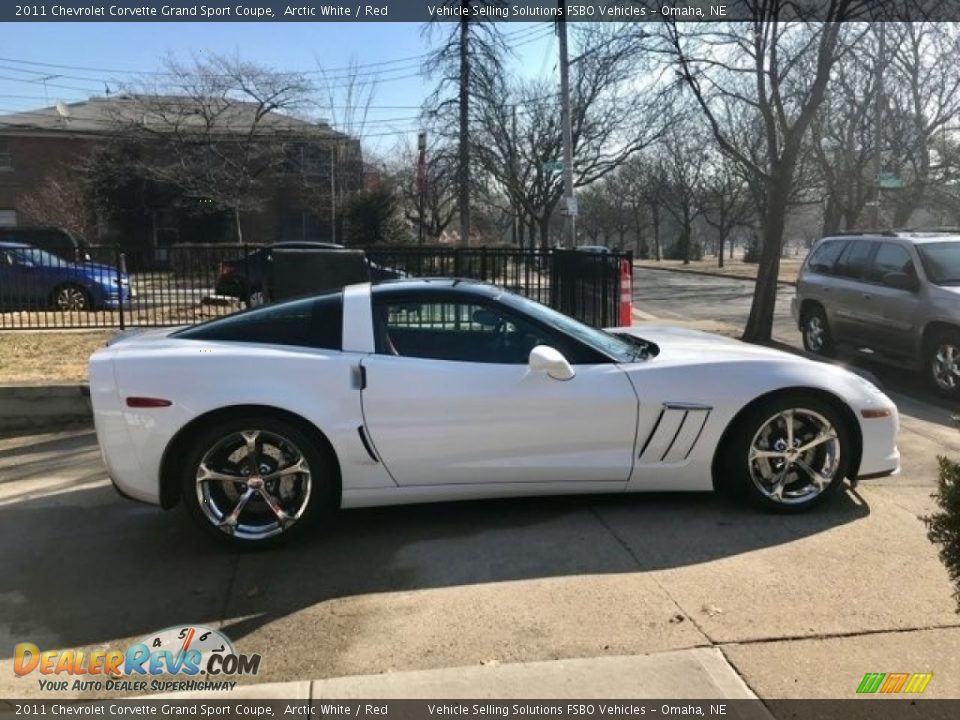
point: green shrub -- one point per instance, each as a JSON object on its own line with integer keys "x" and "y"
{"x": 943, "y": 527}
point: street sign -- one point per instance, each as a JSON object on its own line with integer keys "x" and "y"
{"x": 889, "y": 181}
{"x": 553, "y": 166}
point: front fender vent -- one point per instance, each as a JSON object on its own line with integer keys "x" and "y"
{"x": 675, "y": 433}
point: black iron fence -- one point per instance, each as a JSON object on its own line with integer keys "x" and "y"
{"x": 106, "y": 287}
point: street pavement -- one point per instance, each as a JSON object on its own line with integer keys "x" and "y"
{"x": 796, "y": 606}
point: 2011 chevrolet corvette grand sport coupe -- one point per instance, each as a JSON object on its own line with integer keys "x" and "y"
{"x": 264, "y": 421}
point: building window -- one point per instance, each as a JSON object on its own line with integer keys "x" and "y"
{"x": 8, "y": 218}
{"x": 6, "y": 161}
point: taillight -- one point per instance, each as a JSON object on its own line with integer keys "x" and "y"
{"x": 226, "y": 269}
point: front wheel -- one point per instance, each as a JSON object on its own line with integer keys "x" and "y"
{"x": 71, "y": 297}
{"x": 942, "y": 360}
{"x": 787, "y": 454}
{"x": 256, "y": 481}
{"x": 816, "y": 332}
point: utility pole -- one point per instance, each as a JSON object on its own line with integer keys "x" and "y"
{"x": 569, "y": 199}
{"x": 464, "y": 151}
{"x": 878, "y": 126}
{"x": 333, "y": 192}
{"x": 421, "y": 181}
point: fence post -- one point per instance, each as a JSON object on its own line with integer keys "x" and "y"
{"x": 456, "y": 262}
{"x": 483, "y": 263}
{"x": 246, "y": 274}
{"x": 121, "y": 265}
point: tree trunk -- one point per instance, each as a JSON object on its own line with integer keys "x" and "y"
{"x": 760, "y": 323}
{"x": 655, "y": 217}
{"x": 464, "y": 159}
{"x": 720, "y": 243}
{"x": 831, "y": 218}
{"x": 545, "y": 232}
{"x": 237, "y": 225}
{"x": 684, "y": 241}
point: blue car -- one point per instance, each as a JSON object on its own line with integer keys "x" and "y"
{"x": 35, "y": 279}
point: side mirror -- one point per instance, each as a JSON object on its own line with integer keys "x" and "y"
{"x": 544, "y": 358}
{"x": 900, "y": 281}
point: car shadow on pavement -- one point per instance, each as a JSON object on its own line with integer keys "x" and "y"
{"x": 84, "y": 567}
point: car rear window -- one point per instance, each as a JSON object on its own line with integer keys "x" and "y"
{"x": 315, "y": 322}
{"x": 853, "y": 262}
{"x": 825, "y": 256}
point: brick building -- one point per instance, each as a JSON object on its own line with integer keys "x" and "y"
{"x": 46, "y": 143}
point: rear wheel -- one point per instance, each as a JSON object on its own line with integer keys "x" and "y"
{"x": 71, "y": 297}
{"x": 816, "y": 332}
{"x": 256, "y": 481}
{"x": 787, "y": 454}
{"x": 942, "y": 362}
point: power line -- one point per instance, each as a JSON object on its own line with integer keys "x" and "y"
{"x": 525, "y": 34}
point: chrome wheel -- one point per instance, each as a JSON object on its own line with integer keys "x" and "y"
{"x": 944, "y": 367}
{"x": 70, "y": 298}
{"x": 815, "y": 333}
{"x": 253, "y": 484}
{"x": 794, "y": 456}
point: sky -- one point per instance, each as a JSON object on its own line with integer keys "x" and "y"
{"x": 99, "y": 54}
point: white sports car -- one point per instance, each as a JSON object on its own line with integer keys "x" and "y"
{"x": 433, "y": 390}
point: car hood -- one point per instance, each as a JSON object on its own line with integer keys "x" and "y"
{"x": 677, "y": 343}
{"x": 141, "y": 336}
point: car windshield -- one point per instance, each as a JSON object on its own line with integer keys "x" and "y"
{"x": 620, "y": 348}
{"x": 36, "y": 256}
{"x": 941, "y": 260}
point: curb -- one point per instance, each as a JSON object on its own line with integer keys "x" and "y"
{"x": 24, "y": 407}
{"x": 707, "y": 273}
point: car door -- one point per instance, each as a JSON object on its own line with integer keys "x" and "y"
{"x": 850, "y": 307}
{"x": 450, "y": 399}
{"x": 11, "y": 279}
{"x": 891, "y": 313}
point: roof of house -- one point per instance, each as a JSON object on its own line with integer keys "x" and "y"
{"x": 103, "y": 115}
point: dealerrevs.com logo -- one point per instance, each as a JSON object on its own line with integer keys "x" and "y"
{"x": 198, "y": 658}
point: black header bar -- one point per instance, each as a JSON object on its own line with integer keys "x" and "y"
{"x": 451, "y": 10}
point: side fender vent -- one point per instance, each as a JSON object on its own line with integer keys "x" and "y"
{"x": 675, "y": 433}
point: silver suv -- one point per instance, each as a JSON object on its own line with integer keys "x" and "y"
{"x": 893, "y": 295}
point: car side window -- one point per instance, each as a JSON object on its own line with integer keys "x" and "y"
{"x": 455, "y": 330}
{"x": 853, "y": 262}
{"x": 890, "y": 258}
{"x": 315, "y": 322}
{"x": 825, "y": 256}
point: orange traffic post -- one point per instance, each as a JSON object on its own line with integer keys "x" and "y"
{"x": 626, "y": 294}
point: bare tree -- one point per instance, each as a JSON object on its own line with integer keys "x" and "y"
{"x": 682, "y": 156}
{"x": 726, "y": 200}
{"x": 776, "y": 71}
{"x": 521, "y": 135}
{"x": 923, "y": 96}
{"x": 469, "y": 44}
{"x": 217, "y": 128}
{"x": 440, "y": 187}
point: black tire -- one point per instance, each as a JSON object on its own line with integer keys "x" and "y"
{"x": 743, "y": 478}
{"x": 303, "y": 497}
{"x": 815, "y": 329}
{"x": 941, "y": 362}
{"x": 71, "y": 297}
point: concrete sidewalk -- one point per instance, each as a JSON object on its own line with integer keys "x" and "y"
{"x": 694, "y": 674}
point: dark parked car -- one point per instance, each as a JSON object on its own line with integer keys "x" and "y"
{"x": 36, "y": 279}
{"x": 247, "y": 278}
{"x": 62, "y": 243}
